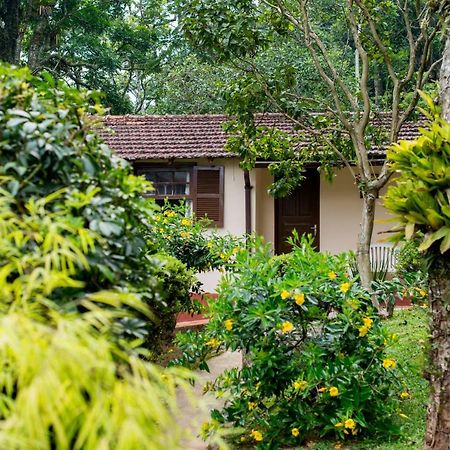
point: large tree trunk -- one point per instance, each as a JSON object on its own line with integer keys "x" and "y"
{"x": 42, "y": 39}
{"x": 444, "y": 99}
{"x": 9, "y": 30}
{"x": 364, "y": 240}
{"x": 438, "y": 418}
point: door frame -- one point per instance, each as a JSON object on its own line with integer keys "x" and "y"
{"x": 277, "y": 219}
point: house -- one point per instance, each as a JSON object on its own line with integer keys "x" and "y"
{"x": 184, "y": 157}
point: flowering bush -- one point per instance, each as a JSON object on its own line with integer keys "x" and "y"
{"x": 187, "y": 238}
{"x": 315, "y": 350}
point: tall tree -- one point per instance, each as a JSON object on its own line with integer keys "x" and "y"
{"x": 438, "y": 417}
{"x": 99, "y": 44}
{"x": 347, "y": 128}
{"x": 9, "y": 30}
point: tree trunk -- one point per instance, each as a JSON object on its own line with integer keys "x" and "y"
{"x": 9, "y": 30}
{"x": 364, "y": 240}
{"x": 438, "y": 417}
{"x": 39, "y": 43}
{"x": 444, "y": 99}
{"x": 377, "y": 85}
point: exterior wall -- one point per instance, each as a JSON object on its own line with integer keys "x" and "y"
{"x": 234, "y": 210}
{"x": 263, "y": 205}
{"x": 340, "y": 214}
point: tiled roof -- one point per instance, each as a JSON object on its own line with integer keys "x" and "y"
{"x": 190, "y": 136}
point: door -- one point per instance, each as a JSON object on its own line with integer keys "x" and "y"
{"x": 299, "y": 211}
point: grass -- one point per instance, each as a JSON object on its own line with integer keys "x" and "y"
{"x": 411, "y": 325}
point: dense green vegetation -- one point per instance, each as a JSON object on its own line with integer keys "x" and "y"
{"x": 48, "y": 149}
{"x": 411, "y": 326}
{"x": 421, "y": 202}
{"x": 85, "y": 301}
{"x": 318, "y": 356}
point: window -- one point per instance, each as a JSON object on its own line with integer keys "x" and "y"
{"x": 200, "y": 187}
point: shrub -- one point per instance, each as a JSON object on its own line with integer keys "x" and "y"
{"x": 180, "y": 234}
{"x": 315, "y": 350}
{"x": 49, "y": 150}
{"x": 68, "y": 385}
{"x": 67, "y": 380}
{"x": 409, "y": 258}
{"x": 420, "y": 197}
{"x": 175, "y": 282}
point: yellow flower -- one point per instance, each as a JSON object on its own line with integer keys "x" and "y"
{"x": 228, "y": 324}
{"x": 209, "y": 245}
{"x": 363, "y": 331}
{"x": 186, "y": 222}
{"x": 295, "y": 432}
{"x": 235, "y": 250}
{"x": 422, "y": 292}
{"x": 334, "y": 391}
{"x": 300, "y": 385}
{"x": 344, "y": 287}
{"x": 251, "y": 406}
{"x": 339, "y": 425}
{"x": 223, "y": 256}
{"x": 286, "y": 327}
{"x": 323, "y": 389}
{"x": 337, "y": 446}
{"x": 158, "y": 218}
{"x": 405, "y": 394}
{"x": 389, "y": 363}
{"x": 332, "y": 275}
{"x": 213, "y": 343}
{"x": 285, "y": 294}
{"x": 367, "y": 322}
{"x": 353, "y": 303}
{"x": 299, "y": 298}
{"x": 256, "y": 435}
{"x": 185, "y": 234}
{"x": 350, "y": 423}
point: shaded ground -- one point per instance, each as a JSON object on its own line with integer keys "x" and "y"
{"x": 192, "y": 417}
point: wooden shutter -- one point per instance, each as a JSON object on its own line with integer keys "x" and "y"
{"x": 208, "y": 198}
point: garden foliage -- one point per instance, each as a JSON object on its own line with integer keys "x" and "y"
{"x": 420, "y": 198}
{"x": 49, "y": 149}
{"x": 180, "y": 235}
{"x": 68, "y": 380}
{"x": 315, "y": 351}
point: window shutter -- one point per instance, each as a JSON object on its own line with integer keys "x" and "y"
{"x": 209, "y": 193}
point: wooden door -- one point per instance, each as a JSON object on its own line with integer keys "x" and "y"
{"x": 299, "y": 211}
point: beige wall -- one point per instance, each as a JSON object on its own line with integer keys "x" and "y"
{"x": 263, "y": 205}
{"x": 340, "y": 214}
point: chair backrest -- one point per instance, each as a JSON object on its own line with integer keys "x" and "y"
{"x": 382, "y": 258}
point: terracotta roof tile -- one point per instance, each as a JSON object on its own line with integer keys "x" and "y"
{"x": 191, "y": 136}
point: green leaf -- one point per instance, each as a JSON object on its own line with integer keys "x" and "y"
{"x": 409, "y": 230}
{"x": 432, "y": 238}
{"x": 109, "y": 228}
{"x": 445, "y": 244}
